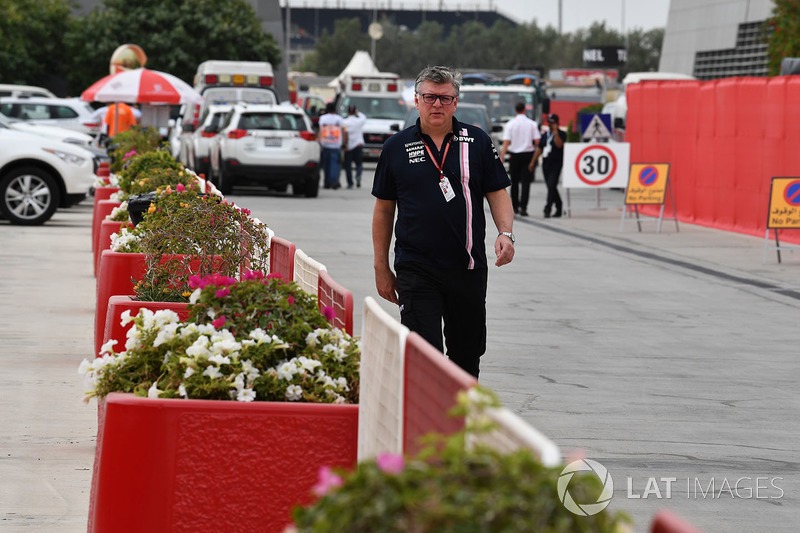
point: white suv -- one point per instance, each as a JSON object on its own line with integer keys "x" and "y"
{"x": 70, "y": 113}
{"x": 38, "y": 175}
{"x": 272, "y": 145}
{"x": 196, "y": 148}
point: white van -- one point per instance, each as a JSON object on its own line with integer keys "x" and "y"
{"x": 23, "y": 91}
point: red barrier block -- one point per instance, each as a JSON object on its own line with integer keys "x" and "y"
{"x": 791, "y": 110}
{"x": 726, "y": 102}
{"x": 102, "y": 208}
{"x": 117, "y": 275}
{"x": 281, "y": 258}
{"x": 333, "y": 295}
{"x": 432, "y": 382}
{"x": 207, "y": 466}
{"x": 117, "y": 305}
{"x": 107, "y": 229}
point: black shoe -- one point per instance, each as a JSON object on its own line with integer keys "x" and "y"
{"x": 335, "y": 186}
{"x": 557, "y": 214}
{"x": 546, "y": 213}
{"x": 523, "y": 213}
{"x": 516, "y": 210}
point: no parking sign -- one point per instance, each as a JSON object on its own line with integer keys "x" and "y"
{"x": 596, "y": 165}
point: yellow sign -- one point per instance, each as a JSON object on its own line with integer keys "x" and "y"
{"x": 784, "y": 204}
{"x": 647, "y": 183}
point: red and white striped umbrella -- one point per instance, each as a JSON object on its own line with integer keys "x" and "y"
{"x": 141, "y": 86}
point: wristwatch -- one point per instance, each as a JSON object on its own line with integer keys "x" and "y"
{"x": 507, "y": 234}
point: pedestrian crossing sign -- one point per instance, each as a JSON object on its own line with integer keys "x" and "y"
{"x": 596, "y": 126}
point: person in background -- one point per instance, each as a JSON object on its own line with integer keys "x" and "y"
{"x": 331, "y": 126}
{"x": 436, "y": 175}
{"x": 354, "y": 144}
{"x": 551, "y": 149}
{"x": 119, "y": 117}
{"x": 520, "y": 138}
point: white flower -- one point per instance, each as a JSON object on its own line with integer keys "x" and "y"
{"x": 164, "y": 317}
{"x": 339, "y": 399}
{"x": 294, "y": 393}
{"x": 212, "y": 372}
{"x": 108, "y": 347}
{"x": 188, "y": 373}
{"x": 238, "y": 382}
{"x": 153, "y": 391}
{"x": 167, "y": 334}
{"x": 125, "y": 317}
{"x": 259, "y": 335}
{"x": 182, "y": 392}
{"x": 335, "y": 351}
{"x": 251, "y": 372}
{"x": 286, "y": 371}
{"x": 341, "y": 384}
{"x": 247, "y": 395}
{"x": 308, "y": 365}
{"x": 311, "y": 338}
{"x": 199, "y": 348}
{"x": 219, "y": 359}
{"x": 195, "y": 296}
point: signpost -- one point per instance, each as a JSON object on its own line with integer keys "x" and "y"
{"x": 595, "y": 127}
{"x": 595, "y": 166}
{"x": 784, "y": 211}
{"x": 647, "y": 185}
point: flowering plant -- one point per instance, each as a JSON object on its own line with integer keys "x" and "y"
{"x": 184, "y": 233}
{"x": 451, "y": 486}
{"x": 211, "y": 357}
{"x": 138, "y": 139}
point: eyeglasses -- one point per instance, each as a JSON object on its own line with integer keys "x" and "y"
{"x": 430, "y": 98}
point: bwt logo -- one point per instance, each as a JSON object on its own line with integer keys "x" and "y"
{"x": 585, "y": 509}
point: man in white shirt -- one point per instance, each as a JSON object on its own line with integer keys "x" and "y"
{"x": 520, "y": 139}
{"x": 354, "y": 144}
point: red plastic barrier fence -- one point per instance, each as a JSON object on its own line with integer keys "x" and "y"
{"x": 281, "y": 258}
{"x": 332, "y": 294}
{"x": 567, "y": 111}
{"x": 431, "y": 384}
{"x": 117, "y": 275}
{"x": 724, "y": 139}
{"x": 107, "y": 229}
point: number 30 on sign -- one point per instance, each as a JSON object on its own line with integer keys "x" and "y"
{"x": 596, "y": 165}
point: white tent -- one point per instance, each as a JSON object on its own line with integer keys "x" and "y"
{"x": 360, "y": 64}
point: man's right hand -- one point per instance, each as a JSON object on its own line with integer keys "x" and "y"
{"x": 386, "y": 283}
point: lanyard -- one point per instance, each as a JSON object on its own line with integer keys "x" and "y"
{"x": 439, "y": 167}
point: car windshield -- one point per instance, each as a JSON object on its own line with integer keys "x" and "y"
{"x": 387, "y": 107}
{"x": 500, "y": 105}
{"x": 475, "y": 115}
{"x": 271, "y": 121}
{"x": 230, "y": 95}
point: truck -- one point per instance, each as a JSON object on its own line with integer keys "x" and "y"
{"x": 221, "y": 82}
{"x": 379, "y": 96}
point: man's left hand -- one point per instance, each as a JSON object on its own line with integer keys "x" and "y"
{"x": 504, "y": 250}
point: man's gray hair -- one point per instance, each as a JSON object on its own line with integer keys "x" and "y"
{"x": 439, "y": 75}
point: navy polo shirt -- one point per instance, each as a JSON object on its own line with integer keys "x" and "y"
{"x": 429, "y": 229}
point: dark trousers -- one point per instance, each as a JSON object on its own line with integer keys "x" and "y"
{"x": 551, "y": 175}
{"x": 429, "y": 296}
{"x": 521, "y": 179}
{"x": 356, "y": 155}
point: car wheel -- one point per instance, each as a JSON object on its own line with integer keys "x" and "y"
{"x": 28, "y": 196}
{"x": 224, "y": 181}
{"x": 312, "y": 185}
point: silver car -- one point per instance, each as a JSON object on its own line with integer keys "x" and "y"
{"x": 70, "y": 113}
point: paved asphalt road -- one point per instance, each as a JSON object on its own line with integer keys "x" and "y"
{"x": 659, "y": 355}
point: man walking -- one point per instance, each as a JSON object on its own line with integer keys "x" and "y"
{"x": 551, "y": 148}
{"x": 436, "y": 174}
{"x": 331, "y": 126}
{"x": 354, "y": 144}
{"x": 520, "y": 138}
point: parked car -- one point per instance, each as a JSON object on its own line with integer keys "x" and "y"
{"x": 196, "y": 148}
{"x": 313, "y": 105}
{"x": 23, "y": 90}
{"x": 272, "y": 145}
{"x": 85, "y": 141}
{"x": 71, "y": 113}
{"x": 38, "y": 175}
{"x": 474, "y": 114}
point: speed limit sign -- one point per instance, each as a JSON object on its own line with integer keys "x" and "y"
{"x": 596, "y": 165}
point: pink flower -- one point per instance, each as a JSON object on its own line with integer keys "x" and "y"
{"x": 129, "y": 154}
{"x": 219, "y": 322}
{"x": 246, "y": 211}
{"x": 290, "y": 299}
{"x": 328, "y": 480}
{"x": 222, "y": 293}
{"x": 391, "y": 463}
{"x": 180, "y": 187}
{"x": 250, "y": 275}
{"x": 328, "y": 313}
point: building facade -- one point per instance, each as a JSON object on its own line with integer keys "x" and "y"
{"x": 712, "y": 39}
